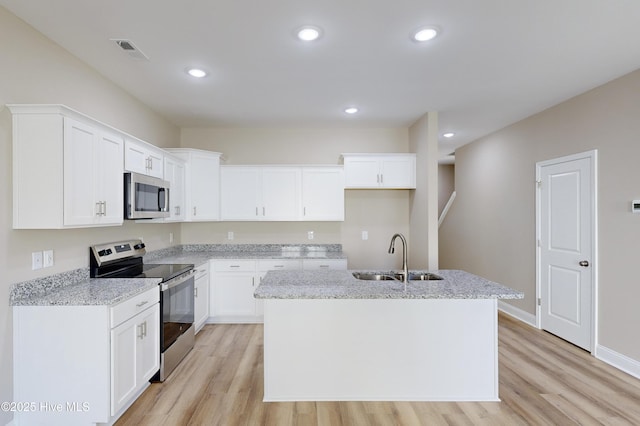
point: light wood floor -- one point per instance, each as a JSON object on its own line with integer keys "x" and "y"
{"x": 543, "y": 381}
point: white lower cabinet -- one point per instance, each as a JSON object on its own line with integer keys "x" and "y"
{"x": 201, "y": 296}
{"x": 231, "y": 297}
{"x": 323, "y": 264}
{"x": 80, "y": 365}
{"x": 135, "y": 356}
{"x": 234, "y": 281}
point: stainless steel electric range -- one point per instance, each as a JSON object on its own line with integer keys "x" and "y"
{"x": 123, "y": 259}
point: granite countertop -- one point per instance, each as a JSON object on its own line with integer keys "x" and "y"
{"x": 335, "y": 284}
{"x": 75, "y": 288}
{"x": 94, "y": 291}
{"x": 201, "y": 253}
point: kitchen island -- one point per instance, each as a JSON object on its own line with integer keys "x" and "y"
{"x": 331, "y": 337}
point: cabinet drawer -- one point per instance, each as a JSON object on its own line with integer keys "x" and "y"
{"x": 234, "y": 265}
{"x": 279, "y": 265}
{"x": 130, "y": 307}
{"x": 324, "y": 264}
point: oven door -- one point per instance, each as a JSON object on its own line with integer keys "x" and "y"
{"x": 177, "y": 305}
{"x": 146, "y": 197}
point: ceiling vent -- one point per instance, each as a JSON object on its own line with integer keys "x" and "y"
{"x": 131, "y": 49}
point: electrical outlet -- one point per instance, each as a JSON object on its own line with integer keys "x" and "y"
{"x": 230, "y": 235}
{"x": 47, "y": 260}
{"x": 310, "y": 235}
{"x": 365, "y": 235}
{"x": 36, "y": 260}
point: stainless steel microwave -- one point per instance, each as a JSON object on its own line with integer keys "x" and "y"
{"x": 145, "y": 197}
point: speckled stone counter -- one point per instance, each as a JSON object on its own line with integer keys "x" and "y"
{"x": 342, "y": 285}
{"x": 97, "y": 292}
{"x": 76, "y": 288}
{"x": 201, "y": 253}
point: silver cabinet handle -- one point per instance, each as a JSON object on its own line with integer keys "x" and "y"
{"x": 141, "y": 304}
{"x": 194, "y": 211}
{"x": 140, "y": 333}
{"x": 104, "y": 208}
{"x": 584, "y": 263}
{"x": 98, "y": 208}
{"x": 263, "y": 211}
{"x": 144, "y": 329}
{"x": 195, "y": 292}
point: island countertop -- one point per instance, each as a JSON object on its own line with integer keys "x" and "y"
{"x": 334, "y": 284}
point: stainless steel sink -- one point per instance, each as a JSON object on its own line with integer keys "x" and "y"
{"x": 368, "y": 276}
{"x": 413, "y": 276}
{"x": 423, "y": 276}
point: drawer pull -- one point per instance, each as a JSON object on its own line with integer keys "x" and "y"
{"x": 278, "y": 266}
{"x": 234, "y": 266}
{"x": 141, "y": 304}
{"x": 323, "y": 266}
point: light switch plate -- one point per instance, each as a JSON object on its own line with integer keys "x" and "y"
{"x": 230, "y": 235}
{"x": 36, "y": 260}
{"x": 310, "y": 235}
{"x": 365, "y": 235}
{"x": 47, "y": 260}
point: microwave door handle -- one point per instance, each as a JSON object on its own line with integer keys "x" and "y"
{"x": 164, "y": 192}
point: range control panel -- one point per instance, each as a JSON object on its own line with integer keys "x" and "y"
{"x": 109, "y": 252}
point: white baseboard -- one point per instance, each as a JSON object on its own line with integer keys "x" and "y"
{"x": 619, "y": 361}
{"x": 604, "y": 354}
{"x": 517, "y": 313}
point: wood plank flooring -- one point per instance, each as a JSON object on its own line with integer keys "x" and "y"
{"x": 543, "y": 381}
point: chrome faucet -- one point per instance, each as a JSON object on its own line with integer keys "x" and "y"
{"x": 405, "y": 266}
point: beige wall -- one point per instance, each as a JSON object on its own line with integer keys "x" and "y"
{"x": 490, "y": 229}
{"x": 34, "y": 70}
{"x": 380, "y": 212}
{"x": 446, "y": 185}
{"x": 423, "y": 217}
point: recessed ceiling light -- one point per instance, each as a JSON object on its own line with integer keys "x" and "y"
{"x": 351, "y": 110}
{"x": 425, "y": 34}
{"x": 448, "y": 134}
{"x": 308, "y": 33}
{"x": 196, "y": 72}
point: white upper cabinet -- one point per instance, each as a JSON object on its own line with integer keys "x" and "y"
{"x": 67, "y": 169}
{"x": 144, "y": 158}
{"x": 175, "y": 174}
{"x": 323, "y": 193}
{"x": 202, "y": 188}
{"x": 93, "y": 181}
{"x": 380, "y": 171}
{"x": 260, "y": 193}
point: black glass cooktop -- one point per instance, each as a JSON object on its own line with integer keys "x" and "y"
{"x": 150, "y": 270}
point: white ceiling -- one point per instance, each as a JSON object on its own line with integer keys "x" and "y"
{"x": 495, "y": 62}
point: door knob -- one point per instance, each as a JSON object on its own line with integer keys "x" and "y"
{"x": 584, "y": 263}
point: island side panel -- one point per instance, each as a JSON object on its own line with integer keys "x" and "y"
{"x": 381, "y": 350}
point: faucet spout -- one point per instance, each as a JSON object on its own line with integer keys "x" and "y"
{"x": 405, "y": 266}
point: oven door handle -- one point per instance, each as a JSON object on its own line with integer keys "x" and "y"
{"x": 177, "y": 281}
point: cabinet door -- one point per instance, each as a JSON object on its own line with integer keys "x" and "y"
{"x": 323, "y": 193}
{"x": 141, "y": 158}
{"x": 201, "y": 295}
{"x": 239, "y": 196}
{"x": 234, "y": 294}
{"x": 110, "y": 178}
{"x": 135, "y": 355}
{"x": 80, "y": 186}
{"x": 123, "y": 363}
{"x": 174, "y": 173}
{"x": 362, "y": 172}
{"x": 281, "y": 193}
{"x": 398, "y": 172}
{"x": 205, "y": 187}
{"x": 148, "y": 347}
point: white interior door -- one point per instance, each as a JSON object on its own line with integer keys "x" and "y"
{"x": 566, "y": 240}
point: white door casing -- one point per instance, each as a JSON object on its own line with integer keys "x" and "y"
{"x": 566, "y": 254}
